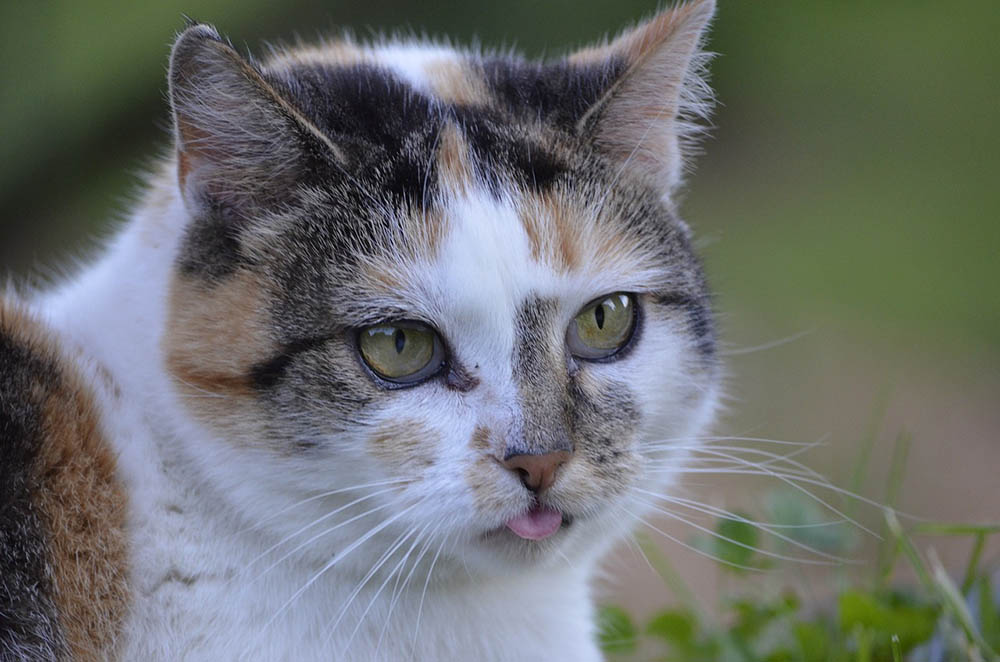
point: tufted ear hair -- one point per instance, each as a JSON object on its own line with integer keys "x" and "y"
{"x": 240, "y": 144}
{"x": 648, "y": 115}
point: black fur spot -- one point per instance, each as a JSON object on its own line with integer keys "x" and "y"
{"x": 504, "y": 154}
{"x": 28, "y": 618}
{"x": 267, "y": 374}
{"x": 557, "y": 92}
{"x": 385, "y": 126}
{"x": 210, "y": 248}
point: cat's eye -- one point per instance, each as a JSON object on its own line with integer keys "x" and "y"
{"x": 603, "y": 327}
{"x": 401, "y": 352}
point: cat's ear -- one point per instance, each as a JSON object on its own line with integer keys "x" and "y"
{"x": 651, "y": 110}
{"x": 239, "y": 143}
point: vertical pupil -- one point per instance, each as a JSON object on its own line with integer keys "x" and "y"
{"x": 599, "y": 315}
{"x": 400, "y": 338}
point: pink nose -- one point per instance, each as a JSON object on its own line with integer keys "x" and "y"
{"x": 537, "y": 472}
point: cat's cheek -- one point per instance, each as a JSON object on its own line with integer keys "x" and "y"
{"x": 496, "y": 495}
{"x": 589, "y": 487}
{"x": 405, "y": 447}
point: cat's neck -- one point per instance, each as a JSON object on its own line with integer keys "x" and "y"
{"x": 115, "y": 309}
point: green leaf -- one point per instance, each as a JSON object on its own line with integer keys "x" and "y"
{"x": 814, "y": 642}
{"x": 737, "y": 540}
{"x": 616, "y": 632}
{"x": 989, "y": 615}
{"x": 884, "y": 618}
{"x": 675, "y": 626}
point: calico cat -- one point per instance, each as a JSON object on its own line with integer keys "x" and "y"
{"x": 378, "y": 366}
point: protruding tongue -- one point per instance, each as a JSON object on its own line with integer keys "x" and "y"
{"x": 537, "y": 523}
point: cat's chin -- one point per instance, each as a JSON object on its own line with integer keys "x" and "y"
{"x": 500, "y": 550}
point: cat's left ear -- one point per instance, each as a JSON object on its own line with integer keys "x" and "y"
{"x": 240, "y": 143}
{"x": 643, "y": 120}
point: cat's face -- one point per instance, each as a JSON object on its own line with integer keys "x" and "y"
{"x": 457, "y": 282}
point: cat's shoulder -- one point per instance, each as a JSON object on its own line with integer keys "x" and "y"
{"x": 63, "y": 587}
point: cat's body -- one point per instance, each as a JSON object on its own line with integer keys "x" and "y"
{"x": 264, "y": 481}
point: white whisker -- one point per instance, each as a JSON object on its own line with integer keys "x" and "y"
{"x": 796, "y": 559}
{"x": 740, "y": 351}
{"x": 692, "y": 547}
{"x": 336, "y": 559}
{"x": 323, "y": 495}
{"x": 320, "y": 535}
{"x": 423, "y": 595}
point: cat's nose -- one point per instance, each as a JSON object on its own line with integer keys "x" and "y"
{"x": 537, "y": 472}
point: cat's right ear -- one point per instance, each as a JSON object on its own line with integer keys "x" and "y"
{"x": 239, "y": 143}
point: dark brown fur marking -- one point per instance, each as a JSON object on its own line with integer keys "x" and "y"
{"x": 63, "y": 470}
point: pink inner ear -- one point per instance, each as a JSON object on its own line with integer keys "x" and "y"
{"x": 646, "y": 115}
{"x": 187, "y": 135}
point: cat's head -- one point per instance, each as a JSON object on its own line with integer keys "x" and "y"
{"x": 453, "y": 283}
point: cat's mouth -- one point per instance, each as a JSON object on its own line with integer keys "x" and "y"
{"x": 537, "y": 523}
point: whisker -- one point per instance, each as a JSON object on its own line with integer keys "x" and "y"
{"x": 399, "y": 542}
{"x": 700, "y": 442}
{"x": 692, "y": 547}
{"x": 397, "y": 591}
{"x": 768, "y": 345}
{"x": 791, "y": 481}
{"x": 394, "y": 572}
{"x": 818, "y": 479}
{"x": 314, "y": 523}
{"x": 722, "y": 512}
{"x": 336, "y": 559}
{"x": 318, "y": 536}
{"x": 323, "y": 495}
{"x": 720, "y": 466}
{"x": 423, "y": 595}
{"x": 832, "y": 559}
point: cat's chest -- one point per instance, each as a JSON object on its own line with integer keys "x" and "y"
{"x": 188, "y": 612}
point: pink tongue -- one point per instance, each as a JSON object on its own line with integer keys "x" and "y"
{"x": 537, "y": 523}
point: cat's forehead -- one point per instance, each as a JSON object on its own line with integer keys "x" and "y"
{"x": 386, "y": 107}
{"x": 483, "y": 243}
{"x": 559, "y": 91}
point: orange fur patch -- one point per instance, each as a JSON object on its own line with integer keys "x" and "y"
{"x": 408, "y": 446}
{"x": 455, "y": 169}
{"x": 454, "y": 82}
{"x": 552, "y": 226}
{"x": 480, "y": 439}
{"x": 216, "y": 334}
{"x": 81, "y": 501}
{"x": 640, "y": 42}
{"x": 340, "y": 53}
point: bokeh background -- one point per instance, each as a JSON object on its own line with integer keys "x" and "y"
{"x": 847, "y": 204}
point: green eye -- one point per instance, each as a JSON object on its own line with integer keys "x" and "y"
{"x": 603, "y": 327}
{"x": 401, "y": 352}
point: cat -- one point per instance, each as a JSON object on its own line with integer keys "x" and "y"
{"x": 378, "y": 365}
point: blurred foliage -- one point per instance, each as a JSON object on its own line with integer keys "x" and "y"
{"x": 869, "y": 623}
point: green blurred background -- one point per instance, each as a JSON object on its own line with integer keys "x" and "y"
{"x": 847, "y": 203}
